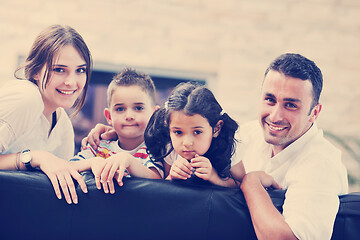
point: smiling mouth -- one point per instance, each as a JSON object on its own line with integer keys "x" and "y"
{"x": 275, "y": 128}
{"x": 66, "y": 92}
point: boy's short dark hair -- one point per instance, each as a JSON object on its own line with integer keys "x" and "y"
{"x": 131, "y": 77}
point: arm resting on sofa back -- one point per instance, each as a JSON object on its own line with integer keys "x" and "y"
{"x": 141, "y": 209}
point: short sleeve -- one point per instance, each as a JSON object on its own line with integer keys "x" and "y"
{"x": 144, "y": 158}
{"x": 21, "y": 106}
{"x": 86, "y": 153}
{"x": 171, "y": 158}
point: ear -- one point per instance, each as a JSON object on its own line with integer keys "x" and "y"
{"x": 108, "y": 116}
{"x": 315, "y": 112}
{"x": 36, "y": 77}
{"x": 157, "y": 107}
{"x": 217, "y": 128}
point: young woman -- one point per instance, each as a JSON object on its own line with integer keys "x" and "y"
{"x": 35, "y": 130}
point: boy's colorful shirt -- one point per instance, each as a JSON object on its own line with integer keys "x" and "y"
{"x": 108, "y": 148}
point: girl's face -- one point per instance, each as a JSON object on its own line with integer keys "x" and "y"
{"x": 190, "y": 135}
{"x": 67, "y": 80}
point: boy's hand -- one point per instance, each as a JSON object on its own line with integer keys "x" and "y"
{"x": 203, "y": 167}
{"x": 97, "y": 166}
{"x": 181, "y": 169}
{"x": 99, "y": 131}
{"x": 112, "y": 167}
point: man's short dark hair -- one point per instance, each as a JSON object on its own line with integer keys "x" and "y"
{"x": 298, "y": 66}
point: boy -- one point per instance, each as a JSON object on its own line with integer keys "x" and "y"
{"x": 131, "y": 102}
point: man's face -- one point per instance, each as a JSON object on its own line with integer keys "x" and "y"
{"x": 284, "y": 110}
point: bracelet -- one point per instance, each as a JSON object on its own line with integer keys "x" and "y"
{"x": 17, "y": 161}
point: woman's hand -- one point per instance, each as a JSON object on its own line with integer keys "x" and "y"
{"x": 60, "y": 172}
{"x": 203, "y": 168}
{"x": 99, "y": 131}
{"x": 181, "y": 169}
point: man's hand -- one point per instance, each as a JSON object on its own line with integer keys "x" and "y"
{"x": 267, "y": 220}
{"x": 99, "y": 131}
{"x": 265, "y": 179}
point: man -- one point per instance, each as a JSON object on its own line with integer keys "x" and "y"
{"x": 285, "y": 147}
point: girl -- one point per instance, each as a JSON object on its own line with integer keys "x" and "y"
{"x": 193, "y": 135}
{"x": 35, "y": 130}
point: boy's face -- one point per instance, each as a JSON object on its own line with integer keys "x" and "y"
{"x": 129, "y": 112}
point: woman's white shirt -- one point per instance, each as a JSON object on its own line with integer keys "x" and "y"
{"x": 23, "y": 125}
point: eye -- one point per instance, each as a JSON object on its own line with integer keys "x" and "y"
{"x": 119, "y": 109}
{"x": 81, "y": 70}
{"x": 177, "y": 132}
{"x": 270, "y": 100}
{"x": 139, "y": 108}
{"x": 291, "y": 106}
{"x": 197, "y": 132}
{"x": 58, "y": 70}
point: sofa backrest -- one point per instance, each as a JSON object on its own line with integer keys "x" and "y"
{"x": 141, "y": 209}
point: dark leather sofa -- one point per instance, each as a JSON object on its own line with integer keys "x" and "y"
{"x": 141, "y": 209}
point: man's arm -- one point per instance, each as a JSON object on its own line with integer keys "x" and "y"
{"x": 237, "y": 172}
{"x": 267, "y": 220}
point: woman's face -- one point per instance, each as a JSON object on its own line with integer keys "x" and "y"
{"x": 66, "y": 82}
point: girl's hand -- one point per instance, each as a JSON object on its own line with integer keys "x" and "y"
{"x": 181, "y": 169}
{"x": 60, "y": 171}
{"x": 203, "y": 167}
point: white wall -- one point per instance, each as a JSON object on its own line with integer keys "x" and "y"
{"x": 232, "y": 40}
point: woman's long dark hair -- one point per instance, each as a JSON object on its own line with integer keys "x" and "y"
{"x": 192, "y": 98}
{"x": 46, "y": 47}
